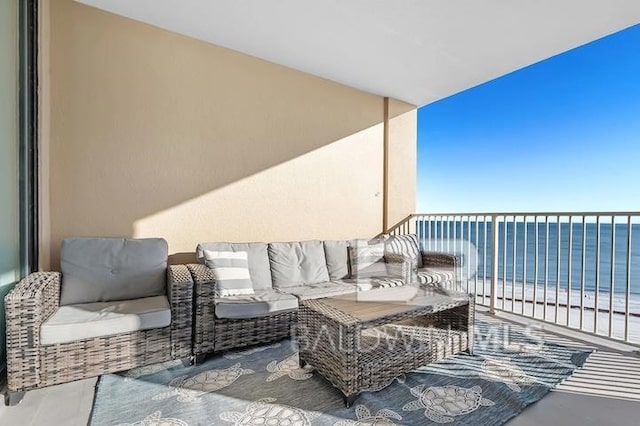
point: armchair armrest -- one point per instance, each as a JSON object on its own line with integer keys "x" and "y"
{"x": 435, "y": 259}
{"x": 204, "y": 315}
{"x": 442, "y": 261}
{"x": 180, "y": 293}
{"x": 201, "y": 274}
{"x": 29, "y": 304}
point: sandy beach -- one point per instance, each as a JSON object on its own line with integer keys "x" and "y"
{"x": 579, "y": 310}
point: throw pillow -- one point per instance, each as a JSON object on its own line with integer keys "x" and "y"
{"x": 231, "y": 270}
{"x": 406, "y": 245}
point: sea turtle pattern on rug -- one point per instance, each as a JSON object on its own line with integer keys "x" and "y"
{"x": 442, "y": 403}
{"x": 364, "y": 417}
{"x": 503, "y": 370}
{"x": 288, "y": 367}
{"x": 189, "y": 389}
{"x": 265, "y": 412}
{"x": 156, "y": 419}
{"x": 400, "y": 379}
{"x": 456, "y": 390}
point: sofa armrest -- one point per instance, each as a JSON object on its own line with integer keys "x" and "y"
{"x": 435, "y": 259}
{"x": 27, "y": 306}
{"x": 402, "y": 265}
{"x": 204, "y": 308}
{"x": 201, "y": 274}
{"x": 180, "y": 293}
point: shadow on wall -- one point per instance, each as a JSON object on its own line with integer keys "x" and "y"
{"x": 331, "y": 192}
{"x": 157, "y": 134}
{"x": 182, "y": 258}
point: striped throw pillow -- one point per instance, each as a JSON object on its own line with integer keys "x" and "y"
{"x": 406, "y": 245}
{"x": 367, "y": 259}
{"x": 231, "y": 270}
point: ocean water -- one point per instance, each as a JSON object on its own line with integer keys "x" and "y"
{"x": 434, "y": 236}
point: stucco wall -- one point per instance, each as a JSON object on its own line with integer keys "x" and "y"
{"x": 156, "y": 134}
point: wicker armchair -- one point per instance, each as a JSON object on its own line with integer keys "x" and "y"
{"x": 211, "y": 334}
{"x": 32, "y": 364}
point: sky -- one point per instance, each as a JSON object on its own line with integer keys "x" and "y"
{"x": 560, "y": 135}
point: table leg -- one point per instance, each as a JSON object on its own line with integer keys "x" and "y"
{"x": 348, "y": 400}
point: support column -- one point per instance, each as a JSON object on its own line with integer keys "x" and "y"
{"x": 44, "y": 134}
{"x": 385, "y": 167}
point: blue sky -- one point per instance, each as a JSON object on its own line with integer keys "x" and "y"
{"x": 562, "y": 134}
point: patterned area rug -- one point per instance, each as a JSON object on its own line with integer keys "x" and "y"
{"x": 512, "y": 367}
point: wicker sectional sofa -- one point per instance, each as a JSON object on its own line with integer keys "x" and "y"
{"x": 284, "y": 274}
{"x": 117, "y": 305}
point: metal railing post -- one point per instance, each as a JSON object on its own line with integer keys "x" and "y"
{"x": 494, "y": 264}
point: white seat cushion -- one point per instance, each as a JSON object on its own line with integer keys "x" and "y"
{"x": 259, "y": 304}
{"x": 88, "y": 320}
{"x": 435, "y": 276}
{"x": 364, "y": 284}
{"x": 320, "y": 290}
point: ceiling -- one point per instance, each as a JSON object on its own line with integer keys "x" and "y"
{"x": 417, "y": 51}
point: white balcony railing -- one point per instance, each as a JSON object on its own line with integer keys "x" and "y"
{"x": 576, "y": 269}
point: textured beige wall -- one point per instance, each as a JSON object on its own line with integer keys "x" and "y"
{"x": 157, "y": 134}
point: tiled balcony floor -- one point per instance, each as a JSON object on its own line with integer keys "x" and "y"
{"x": 605, "y": 391}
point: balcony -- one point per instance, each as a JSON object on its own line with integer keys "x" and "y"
{"x": 222, "y": 121}
{"x": 519, "y": 275}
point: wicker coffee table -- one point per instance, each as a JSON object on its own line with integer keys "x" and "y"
{"x": 363, "y": 345}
